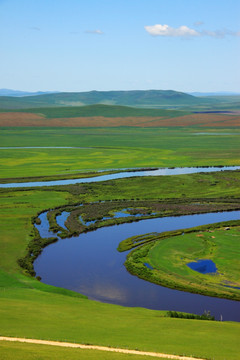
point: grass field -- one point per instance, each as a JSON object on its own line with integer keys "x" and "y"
{"x": 19, "y": 351}
{"x": 114, "y": 148}
{"x": 98, "y": 110}
{"x": 36, "y": 314}
{"x": 29, "y": 308}
{"x": 32, "y": 309}
{"x": 220, "y": 245}
{"x": 168, "y": 255}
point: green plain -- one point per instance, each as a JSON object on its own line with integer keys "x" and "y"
{"x": 169, "y": 258}
{"x": 32, "y": 309}
{"x": 19, "y": 351}
{"x": 111, "y": 148}
{"x": 29, "y": 308}
{"x": 220, "y": 245}
{"x": 97, "y": 110}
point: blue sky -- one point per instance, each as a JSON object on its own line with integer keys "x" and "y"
{"x": 82, "y": 45}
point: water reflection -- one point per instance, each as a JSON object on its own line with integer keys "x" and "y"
{"x": 91, "y": 265}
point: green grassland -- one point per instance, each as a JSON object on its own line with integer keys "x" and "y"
{"x": 220, "y": 245}
{"x": 35, "y": 314}
{"x": 108, "y": 148}
{"x": 99, "y": 110}
{"x": 19, "y": 351}
{"x": 193, "y": 186}
{"x": 29, "y": 308}
{"x": 169, "y": 253}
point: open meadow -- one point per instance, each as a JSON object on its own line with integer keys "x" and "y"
{"x": 113, "y": 148}
{"x": 29, "y": 308}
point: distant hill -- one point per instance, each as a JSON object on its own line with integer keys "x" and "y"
{"x": 18, "y": 93}
{"x": 98, "y": 110}
{"x": 221, "y": 93}
{"x": 138, "y": 98}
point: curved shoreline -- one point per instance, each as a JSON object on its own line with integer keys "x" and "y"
{"x": 170, "y": 280}
{"x": 75, "y": 246}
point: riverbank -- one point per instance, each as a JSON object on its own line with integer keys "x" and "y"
{"x": 95, "y": 261}
{"x": 167, "y": 255}
{"x": 30, "y": 308}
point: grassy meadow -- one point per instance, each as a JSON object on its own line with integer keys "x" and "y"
{"x": 29, "y": 308}
{"x": 98, "y": 110}
{"x": 32, "y": 309}
{"x": 169, "y": 253}
{"x": 20, "y": 351}
{"x": 111, "y": 148}
{"x": 220, "y": 245}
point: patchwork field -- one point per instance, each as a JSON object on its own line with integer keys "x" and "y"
{"x": 23, "y": 119}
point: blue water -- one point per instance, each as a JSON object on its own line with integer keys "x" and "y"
{"x": 42, "y": 228}
{"x": 203, "y": 266}
{"x": 119, "y": 214}
{"x": 148, "y": 266}
{"x": 60, "y": 219}
{"x": 91, "y": 265}
{"x": 87, "y": 223}
{"x": 120, "y": 175}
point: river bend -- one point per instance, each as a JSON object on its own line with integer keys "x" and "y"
{"x": 90, "y": 264}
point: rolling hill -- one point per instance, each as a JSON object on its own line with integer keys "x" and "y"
{"x": 148, "y": 98}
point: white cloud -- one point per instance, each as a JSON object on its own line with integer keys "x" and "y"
{"x": 165, "y": 30}
{"x": 97, "y": 32}
{"x": 185, "y": 31}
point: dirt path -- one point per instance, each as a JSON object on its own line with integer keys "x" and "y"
{"x": 95, "y": 347}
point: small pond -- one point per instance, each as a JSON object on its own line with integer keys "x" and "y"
{"x": 203, "y": 266}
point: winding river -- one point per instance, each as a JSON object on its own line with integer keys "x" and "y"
{"x": 90, "y": 264}
{"x": 120, "y": 175}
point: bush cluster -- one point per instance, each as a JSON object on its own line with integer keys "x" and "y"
{"x": 205, "y": 316}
